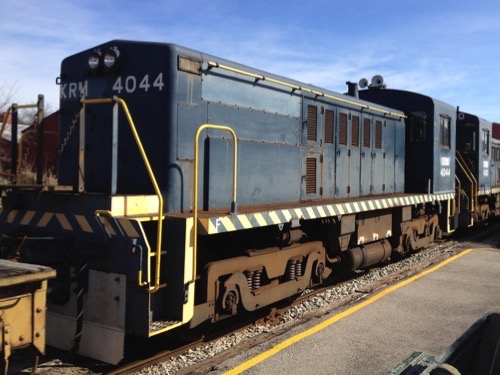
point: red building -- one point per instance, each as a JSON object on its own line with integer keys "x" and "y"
{"x": 27, "y": 139}
{"x": 496, "y": 130}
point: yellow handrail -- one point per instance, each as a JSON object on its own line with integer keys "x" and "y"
{"x": 259, "y": 77}
{"x": 195, "y": 182}
{"x": 155, "y": 186}
{"x": 459, "y": 188}
{"x": 17, "y": 106}
{"x": 6, "y": 116}
{"x": 474, "y": 181}
{"x": 470, "y": 176}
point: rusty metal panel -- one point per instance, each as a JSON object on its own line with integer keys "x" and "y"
{"x": 374, "y": 228}
{"x": 108, "y": 291}
{"x": 348, "y": 224}
{"x": 39, "y": 317}
{"x": 103, "y": 319}
{"x": 23, "y": 288}
{"x": 311, "y": 175}
{"x": 312, "y": 123}
{"x": 329, "y": 126}
{"x": 16, "y": 322}
{"x": 406, "y": 213}
{"x": 343, "y": 129}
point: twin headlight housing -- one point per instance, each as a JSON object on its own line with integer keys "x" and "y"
{"x": 108, "y": 61}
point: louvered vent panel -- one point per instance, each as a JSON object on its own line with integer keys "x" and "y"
{"x": 312, "y": 122}
{"x": 378, "y": 134}
{"x": 311, "y": 176}
{"x": 366, "y": 133}
{"x": 343, "y": 129}
{"x": 329, "y": 126}
{"x": 355, "y": 131}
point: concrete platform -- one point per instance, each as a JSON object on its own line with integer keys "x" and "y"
{"x": 426, "y": 313}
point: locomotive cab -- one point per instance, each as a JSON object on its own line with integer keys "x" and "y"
{"x": 430, "y": 147}
{"x": 474, "y": 168}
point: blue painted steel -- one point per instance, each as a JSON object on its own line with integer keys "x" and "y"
{"x": 474, "y": 139}
{"x": 169, "y": 102}
{"x": 342, "y": 157}
{"x": 366, "y": 155}
{"x": 429, "y": 166}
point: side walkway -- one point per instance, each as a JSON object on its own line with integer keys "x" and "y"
{"x": 425, "y": 313}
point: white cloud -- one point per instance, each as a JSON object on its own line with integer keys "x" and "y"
{"x": 447, "y": 50}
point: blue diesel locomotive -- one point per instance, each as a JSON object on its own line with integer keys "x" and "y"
{"x": 191, "y": 188}
{"x": 468, "y": 153}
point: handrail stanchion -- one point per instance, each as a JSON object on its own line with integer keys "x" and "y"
{"x": 195, "y": 182}
{"x": 152, "y": 177}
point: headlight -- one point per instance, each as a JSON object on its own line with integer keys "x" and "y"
{"x": 111, "y": 57}
{"x": 94, "y": 60}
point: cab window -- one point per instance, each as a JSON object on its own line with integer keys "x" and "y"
{"x": 417, "y": 127}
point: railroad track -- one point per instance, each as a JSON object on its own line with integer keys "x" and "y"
{"x": 481, "y": 237}
{"x": 275, "y": 316}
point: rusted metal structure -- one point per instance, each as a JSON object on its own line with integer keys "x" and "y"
{"x": 23, "y": 290}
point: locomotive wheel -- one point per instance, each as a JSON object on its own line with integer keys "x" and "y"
{"x": 407, "y": 243}
{"x": 230, "y": 301}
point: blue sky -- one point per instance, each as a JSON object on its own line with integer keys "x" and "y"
{"x": 449, "y": 49}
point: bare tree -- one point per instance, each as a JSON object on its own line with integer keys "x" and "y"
{"x": 8, "y": 94}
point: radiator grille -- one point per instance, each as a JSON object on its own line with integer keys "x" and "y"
{"x": 311, "y": 176}
{"x": 355, "y": 131}
{"x": 329, "y": 126}
{"x": 366, "y": 133}
{"x": 378, "y": 134}
{"x": 343, "y": 129}
{"x": 312, "y": 122}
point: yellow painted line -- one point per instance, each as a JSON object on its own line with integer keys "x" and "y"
{"x": 128, "y": 227}
{"x": 244, "y": 221}
{"x": 287, "y": 214}
{"x": 84, "y": 224}
{"x": 228, "y": 224}
{"x": 334, "y": 319}
{"x": 27, "y": 217}
{"x": 11, "y": 216}
{"x": 340, "y": 209}
{"x": 45, "y": 219}
{"x": 211, "y": 227}
{"x": 63, "y": 220}
{"x": 299, "y": 213}
{"x": 108, "y": 226}
{"x": 311, "y": 213}
{"x": 260, "y": 219}
{"x": 274, "y": 217}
